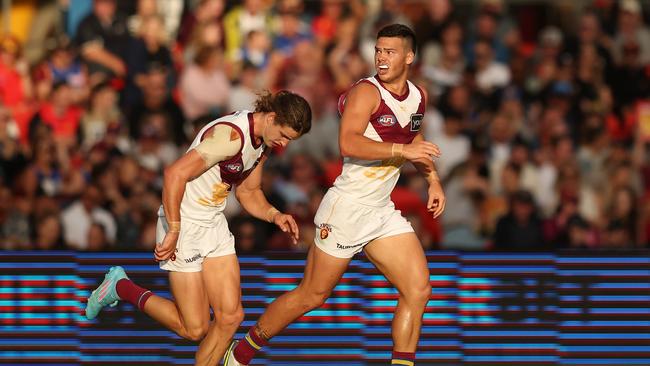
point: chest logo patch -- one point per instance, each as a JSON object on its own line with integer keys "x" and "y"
{"x": 235, "y": 167}
{"x": 387, "y": 120}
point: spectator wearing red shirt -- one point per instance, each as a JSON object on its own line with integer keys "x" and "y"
{"x": 15, "y": 83}
{"x": 59, "y": 115}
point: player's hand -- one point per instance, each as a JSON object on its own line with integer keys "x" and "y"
{"x": 420, "y": 150}
{"x": 287, "y": 224}
{"x": 436, "y": 202}
{"x": 167, "y": 248}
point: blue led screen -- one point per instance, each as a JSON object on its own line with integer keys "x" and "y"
{"x": 485, "y": 309}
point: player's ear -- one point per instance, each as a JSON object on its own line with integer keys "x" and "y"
{"x": 410, "y": 57}
{"x": 270, "y": 118}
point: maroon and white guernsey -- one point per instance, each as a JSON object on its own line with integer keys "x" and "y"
{"x": 398, "y": 119}
{"x": 205, "y": 196}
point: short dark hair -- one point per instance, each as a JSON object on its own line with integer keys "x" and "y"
{"x": 290, "y": 109}
{"x": 401, "y": 31}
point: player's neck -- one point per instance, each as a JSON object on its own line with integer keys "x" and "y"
{"x": 258, "y": 126}
{"x": 397, "y": 86}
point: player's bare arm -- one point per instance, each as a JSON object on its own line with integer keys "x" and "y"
{"x": 222, "y": 143}
{"x": 426, "y": 167}
{"x": 251, "y": 197}
{"x": 361, "y": 102}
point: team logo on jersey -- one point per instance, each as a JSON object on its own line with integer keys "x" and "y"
{"x": 325, "y": 230}
{"x": 235, "y": 167}
{"x": 387, "y": 120}
{"x": 416, "y": 122}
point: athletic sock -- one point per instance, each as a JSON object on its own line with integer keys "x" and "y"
{"x": 403, "y": 358}
{"x": 129, "y": 291}
{"x": 247, "y": 347}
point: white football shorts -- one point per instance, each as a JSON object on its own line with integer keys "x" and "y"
{"x": 195, "y": 243}
{"x": 344, "y": 227}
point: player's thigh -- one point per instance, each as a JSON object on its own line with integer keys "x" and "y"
{"x": 322, "y": 272}
{"x": 191, "y": 299}
{"x": 402, "y": 260}
{"x": 222, "y": 283}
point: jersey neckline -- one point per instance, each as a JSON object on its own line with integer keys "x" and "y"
{"x": 400, "y": 98}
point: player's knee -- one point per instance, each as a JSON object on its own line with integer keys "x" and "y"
{"x": 196, "y": 333}
{"x": 421, "y": 293}
{"x": 230, "y": 318}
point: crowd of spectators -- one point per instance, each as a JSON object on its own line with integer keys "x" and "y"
{"x": 541, "y": 110}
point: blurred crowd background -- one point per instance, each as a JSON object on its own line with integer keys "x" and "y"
{"x": 541, "y": 109}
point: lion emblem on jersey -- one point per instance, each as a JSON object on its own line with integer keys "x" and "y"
{"x": 387, "y": 120}
{"x": 325, "y": 230}
{"x": 416, "y": 122}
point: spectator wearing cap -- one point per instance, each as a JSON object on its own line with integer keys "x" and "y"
{"x": 520, "y": 228}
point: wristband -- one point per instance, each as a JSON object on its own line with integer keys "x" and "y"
{"x": 270, "y": 214}
{"x": 174, "y": 226}
{"x": 396, "y": 150}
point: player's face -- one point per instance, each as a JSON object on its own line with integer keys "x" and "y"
{"x": 392, "y": 58}
{"x": 276, "y": 135}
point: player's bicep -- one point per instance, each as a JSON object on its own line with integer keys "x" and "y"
{"x": 222, "y": 143}
{"x": 360, "y": 103}
{"x": 187, "y": 167}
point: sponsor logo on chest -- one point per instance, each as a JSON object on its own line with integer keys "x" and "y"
{"x": 416, "y": 122}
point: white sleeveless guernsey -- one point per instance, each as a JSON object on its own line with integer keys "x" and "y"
{"x": 205, "y": 196}
{"x": 398, "y": 119}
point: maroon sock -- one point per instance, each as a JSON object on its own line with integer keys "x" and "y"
{"x": 247, "y": 347}
{"x": 403, "y": 358}
{"x": 129, "y": 291}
